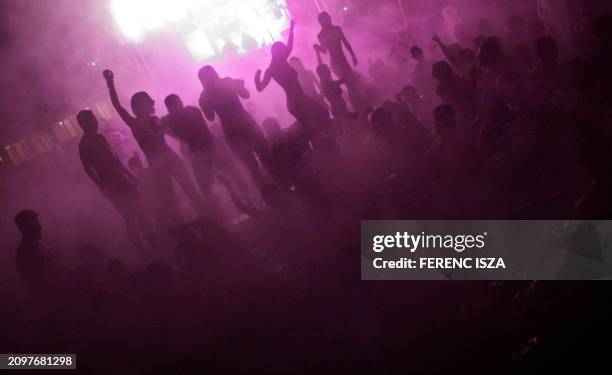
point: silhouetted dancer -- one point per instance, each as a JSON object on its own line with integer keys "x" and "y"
{"x": 332, "y": 40}
{"x": 333, "y": 92}
{"x": 115, "y": 181}
{"x": 308, "y": 81}
{"x": 421, "y": 74}
{"x": 34, "y": 262}
{"x": 221, "y": 97}
{"x": 313, "y": 117}
{"x": 164, "y": 163}
{"x": 187, "y": 124}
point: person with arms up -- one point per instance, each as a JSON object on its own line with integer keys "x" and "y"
{"x": 150, "y": 135}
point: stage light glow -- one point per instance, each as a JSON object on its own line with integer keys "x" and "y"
{"x": 208, "y": 27}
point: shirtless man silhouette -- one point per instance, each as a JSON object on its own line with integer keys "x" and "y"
{"x": 221, "y": 97}
{"x": 150, "y": 135}
{"x": 332, "y": 41}
{"x": 311, "y": 115}
{"x": 115, "y": 181}
{"x": 187, "y": 124}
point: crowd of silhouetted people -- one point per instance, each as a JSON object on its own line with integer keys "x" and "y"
{"x": 506, "y": 123}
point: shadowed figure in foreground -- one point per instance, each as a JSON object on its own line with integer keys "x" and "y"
{"x": 35, "y": 263}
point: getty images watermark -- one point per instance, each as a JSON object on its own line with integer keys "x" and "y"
{"x": 413, "y": 242}
{"x": 486, "y": 250}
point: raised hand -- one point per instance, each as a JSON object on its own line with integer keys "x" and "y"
{"x": 108, "y": 75}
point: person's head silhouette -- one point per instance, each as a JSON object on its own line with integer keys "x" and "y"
{"x": 142, "y": 104}
{"x": 382, "y": 120}
{"x": 490, "y": 52}
{"x": 87, "y": 121}
{"x": 173, "y": 103}
{"x": 324, "y": 19}
{"x": 279, "y": 51}
{"x": 442, "y": 70}
{"x": 410, "y": 94}
{"x": 208, "y": 76}
{"x": 28, "y": 224}
{"x": 416, "y": 53}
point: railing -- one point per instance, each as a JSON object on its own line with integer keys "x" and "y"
{"x": 41, "y": 142}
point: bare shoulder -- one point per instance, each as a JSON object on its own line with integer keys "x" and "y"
{"x": 192, "y": 111}
{"x": 337, "y": 30}
{"x": 229, "y": 81}
{"x": 164, "y": 119}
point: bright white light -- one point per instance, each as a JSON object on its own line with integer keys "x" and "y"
{"x": 207, "y": 26}
{"x": 137, "y": 17}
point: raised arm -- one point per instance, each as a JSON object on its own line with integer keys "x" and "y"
{"x": 260, "y": 84}
{"x": 123, "y": 113}
{"x": 290, "y": 40}
{"x": 349, "y": 48}
{"x": 445, "y": 50}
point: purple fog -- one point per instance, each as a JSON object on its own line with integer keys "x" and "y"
{"x": 182, "y": 183}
